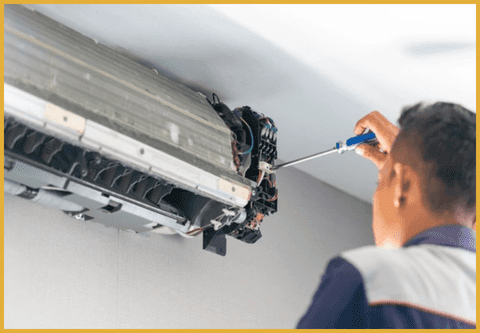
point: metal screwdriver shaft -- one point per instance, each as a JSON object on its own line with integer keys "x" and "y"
{"x": 333, "y": 150}
{"x": 340, "y": 148}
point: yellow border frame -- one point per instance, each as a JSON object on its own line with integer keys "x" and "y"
{"x": 200, "y": 2}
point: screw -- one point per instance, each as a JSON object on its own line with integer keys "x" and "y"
{"x": 8, "y": 164}
{"x": 79, "y": 216}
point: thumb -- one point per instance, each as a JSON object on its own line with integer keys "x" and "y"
{"x": 372, "y": 153}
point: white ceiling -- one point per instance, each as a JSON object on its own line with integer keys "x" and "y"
{"x": 387, "y": 55}
{"x": 315, "y": 69}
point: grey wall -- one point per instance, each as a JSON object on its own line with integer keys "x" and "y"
{"x": 62, "y": 273}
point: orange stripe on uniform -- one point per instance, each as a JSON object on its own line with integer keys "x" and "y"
{"x": 422, "y": 308}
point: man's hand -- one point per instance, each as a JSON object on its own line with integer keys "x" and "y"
{"x": 385, "y": 131}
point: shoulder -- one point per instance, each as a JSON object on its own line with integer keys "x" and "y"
{"x": 438, "y": 279}
{"x": 407, "y": 263}
{"x": 381, "y": 270}
{"x": 369, "y": 258}
{"x": 339, "y": 301}
{"x": 340, "y": 277}
{"x": 340, "y": 274}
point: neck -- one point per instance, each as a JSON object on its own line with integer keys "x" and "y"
{"x": 428, "y": 220}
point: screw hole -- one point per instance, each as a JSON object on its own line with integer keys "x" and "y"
{"x": 141, "y": 151}
{"x": 233, "y": 189}
{"x": 65, "y": 118}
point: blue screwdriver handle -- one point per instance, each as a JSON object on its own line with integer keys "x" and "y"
{"x": 360, "y": 139}
{"x": 353, "y": 142}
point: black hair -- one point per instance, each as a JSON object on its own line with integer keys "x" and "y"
{"x": 445, "y": 140}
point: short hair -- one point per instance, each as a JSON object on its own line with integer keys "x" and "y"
{"x": 445, "y": 141}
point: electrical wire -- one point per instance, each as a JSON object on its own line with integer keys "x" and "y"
{"x": 255, "y": 223}
{"x": 251, "y": 135}
{"x": 270, "y": 123}
{"x": 273, "y": 123}
{"x": 274, "y": 198}
{"x": 269, "y": 181}
{"x": 198, "y": 230}
{"x": 214, "y": 96}
{"x": 274, "y": 184}
{"x": 218, "y": 219}
{"x": 264, "y": 118}
{"x": 260, "y": 178}
{"x": 235, "y": 154}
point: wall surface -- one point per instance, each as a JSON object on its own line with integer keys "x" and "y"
{"x": 62, "y": 273}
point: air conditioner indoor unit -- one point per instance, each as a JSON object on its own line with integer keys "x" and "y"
{"x": 103, "y": 138}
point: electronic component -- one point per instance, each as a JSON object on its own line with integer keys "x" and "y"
{"x": 105, "y": 139}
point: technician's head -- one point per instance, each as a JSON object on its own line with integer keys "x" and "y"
{"x": 428, "y": 178}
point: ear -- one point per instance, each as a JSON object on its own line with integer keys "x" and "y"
{"x": 401, "y": 184}
{"x": 474, "y": 222}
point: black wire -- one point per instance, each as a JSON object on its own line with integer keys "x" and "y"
{"x": 273, "y": 123}
{"x": 214, "y": 96}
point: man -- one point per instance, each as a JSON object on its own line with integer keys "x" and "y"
{"x": 422, "y": 272}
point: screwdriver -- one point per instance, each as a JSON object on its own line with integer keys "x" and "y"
{"x": 340, "y": 148}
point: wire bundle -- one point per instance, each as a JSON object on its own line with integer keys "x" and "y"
{"x": 249, "y": 129}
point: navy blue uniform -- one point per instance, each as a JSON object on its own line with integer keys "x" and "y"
{"x": 428, "y": 283}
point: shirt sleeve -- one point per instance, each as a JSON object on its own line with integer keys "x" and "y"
{"x": 340, "y": 300}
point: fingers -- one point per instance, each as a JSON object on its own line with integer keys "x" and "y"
{"x": 372, "y": 153}
{"x": 384, "y": 130}
{"x": 371, "y": 120}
